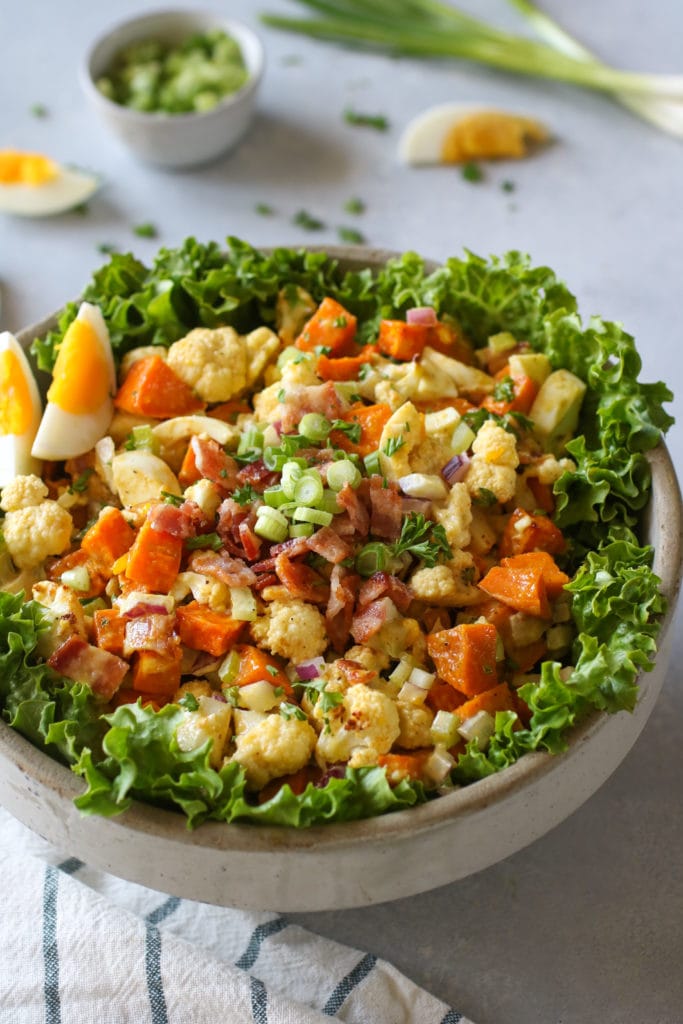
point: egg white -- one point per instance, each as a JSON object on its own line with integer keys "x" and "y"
{"x": 422, "y": 139}
{"x": 64, "y": 434}
{"x": 70, "y": 187}
{"x": 15, "y": 449}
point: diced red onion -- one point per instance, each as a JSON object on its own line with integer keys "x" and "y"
{"x": 455, "y": 469}
{"x": 219, "y": 697}
{"x": 335, "y": 771}
{"x": 424, "y": 315}
{"x": 308, "y": 670}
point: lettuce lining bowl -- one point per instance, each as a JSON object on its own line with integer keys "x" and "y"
{"x": 362, "y": 862}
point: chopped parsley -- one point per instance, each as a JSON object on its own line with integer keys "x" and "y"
{"x": 288, "y": 711}
{"x": 354, "y": 206}
{"x": 423, "y": 539}
{"x": 264, "y": 210}
{"x": 377, "y": 121}
{"x": 485, "y": 497}
{"x": 244, "y": 495}
{"x": 107, "y": 248}
{"x": 504, "y": 391}
{"x": 339, "y": 321}
{"x": 146, "y": 230}
{"x": 272, "y": 670}
{"x": 204, "y": 540}
{"x": 307, "y": 221}
{"x": 352, "y": 430}
{"x": 316, "y": 690}
{"x": 189, "y": 702}
{"x": 472, "y": 172}
{"x": 507, "y": 185}
{"x": 351, "y": 235}
{"x": 38, "y": 110}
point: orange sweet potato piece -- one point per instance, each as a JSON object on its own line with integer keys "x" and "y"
{"x": 154, "y": 559}
{"x": 372, "y": 419}
{"x": 465, "y": 656}
{"x": 498, "y": 698}
{"x": 156, "y": 673}
{"x": 331, "y": 327}
{"x": 152, "y": 388}
{"x": 108, "y": 538}
{"x": 203, "y": 629}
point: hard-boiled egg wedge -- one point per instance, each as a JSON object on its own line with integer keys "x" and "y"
{"x": 456, "y": 133}
{"x": 20, "y": 411}
{"x": 80, "y": 405}
{"x": 33, "y": 185}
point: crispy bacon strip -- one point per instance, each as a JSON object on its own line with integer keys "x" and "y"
{"x": 221, "y": 566}
{"x": 386, "y": 509}
{"x": 150, "y": 633}
{"x": 382, "y": 584}
{"x": 301, "y": 581}
{"x": 357, "y": 512}
{"x": 339, "y": 611}
{"x": 214, "y": 463}
{"x": 368, "y": 622}
{"x": 329, "y": 545}
{"x": 101, "y": 671}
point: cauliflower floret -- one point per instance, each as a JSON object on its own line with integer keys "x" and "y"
{"x": 448, "y": 585}
{"x": 64, "y": 613}
{"x": 273, "y": 747}
{"x": 205, "y": 589}
{"x": 415, "y": 721}
{"x": 482, "y": 533}
{"x": 294, "y": 629}
{"x": 468, "y": 380}
{"x": 219, "y": 363}
{"x": 34, "y": 532}
{"x": 205, "y": 494}
{"x": 23, "y": 492}
{"x": 365, "y": 719}
{"x": 550, "y": 469}
{"x": 374, "y": 661}
{"x": 294, "y": 374}
{"x": 493, "y": 464}
{"x": 211, "y": 721}
{"x": 456, "y": 515}
{"x": 293, "y": 308}
{"x": 404, "y": 430}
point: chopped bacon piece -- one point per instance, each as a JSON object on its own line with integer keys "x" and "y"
{"x": 386, "y": 509}
{"x": 322, "y": 398}
{"x": 368, "y": 622}
{"x": 231, "y": 571}
{"x": 171, "y": 519}
{"x": 329, "y": 545}
{"x": 358, "y": 513}
{"x": 382, "y": 584}
{"x": 339, "y": 611}
{"x": 257, "y": 474}
{"x": 250, "y": 542}
{"x": 420, "y": 505}
{"x": 342, "y": 525}
{"x": 293, "y": 548}
{"x": 301, "y": 581}
{"x": 101, "y": 671}
{"x": 150, "y": 633}
{"x": 268, "y": 579}
{"x": 213, "y": 463}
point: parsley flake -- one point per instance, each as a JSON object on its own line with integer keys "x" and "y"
{"x": 204, "y": 540}
{"x": 377, "y": 121}
{"x": 146, "y": 230}
{"x": 307, "y": 221}
{"x": 354, "y": 205}
{"x": 393, "y": 445}
{"x": 351, "y": 235}
{"x": 244, "y": 495}
{"x": 472, "y": 172}
{"x": 288, "y": 711}
{"x": 423, "y": 539}
{"x": 189, "y": 702}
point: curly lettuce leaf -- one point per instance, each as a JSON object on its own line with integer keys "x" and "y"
{"x": 143, "y": 761}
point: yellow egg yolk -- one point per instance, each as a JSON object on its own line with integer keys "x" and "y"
{"x": 80, "y": 379}
{"x": 17, "y": 168}
{"x": 491, "y": 135}
{"x": 15, "y": 397}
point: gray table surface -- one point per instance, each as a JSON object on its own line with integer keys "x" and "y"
{"x": 586, "y": 925}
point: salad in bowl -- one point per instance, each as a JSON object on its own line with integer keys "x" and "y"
{"x": 292, "y": 543}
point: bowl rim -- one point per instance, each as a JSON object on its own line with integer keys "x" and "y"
{"x": 233, "y": 26}
{"x": 462, "y": 802}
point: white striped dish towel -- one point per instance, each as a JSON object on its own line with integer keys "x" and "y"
{"x": 83, "y": 947}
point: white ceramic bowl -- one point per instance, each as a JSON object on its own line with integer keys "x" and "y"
{"x": 361, "y": 862}
{"x": 175, "y": 140}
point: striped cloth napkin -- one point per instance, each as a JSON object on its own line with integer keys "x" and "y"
{"x": 81, "y": 946}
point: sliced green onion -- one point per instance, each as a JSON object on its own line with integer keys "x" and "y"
{"x": 402, "y": 670}
{"x": 314, "y": 426}
{"x": 312, "y": 515}
{"x": 308, "y": 490}
{"x": 142, "y": 438}
{"x": 229, "y": 668}
{"x": 462, "y": 438}
{"x": 242, "y": 604}
{"x": 372, "y": 558}
{"x": 301, "y": 530}
{"x": 77, "y": 578}
{"x": 274, "y": 497}
{"x": 96, "y": 604}
{"x": 329, "y": 503}
{"x": 342, "y": 472}
{"x": 372, "y": 464}
{"x": 271, "y": 524}
{"x": 291, "y": 474}
{"x": 274, "y": 458}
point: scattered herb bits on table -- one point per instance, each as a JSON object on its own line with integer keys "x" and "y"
{"x": 339, "y": 541}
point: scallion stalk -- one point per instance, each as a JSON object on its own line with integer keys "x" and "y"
{"x": 431, "y": 28}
